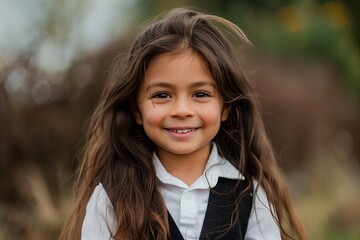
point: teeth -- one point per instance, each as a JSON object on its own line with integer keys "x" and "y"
{"x": 183, "y": 130}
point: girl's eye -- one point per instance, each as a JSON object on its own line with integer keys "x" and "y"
{"x": 161, "y": 95}
{"x": 201, "y": 95}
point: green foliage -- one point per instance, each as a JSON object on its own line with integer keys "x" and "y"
{"x": 303, "y": 30}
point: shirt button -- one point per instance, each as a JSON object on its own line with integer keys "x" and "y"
{"x": 187, "y": 195}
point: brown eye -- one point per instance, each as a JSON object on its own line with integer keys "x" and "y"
{"x": 161, "y": 95}
{"x": 201, "y": 94}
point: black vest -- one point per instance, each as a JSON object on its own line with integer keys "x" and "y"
{"x": 221, "y": 205}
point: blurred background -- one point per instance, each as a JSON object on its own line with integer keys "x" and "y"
{"x": 55, "y": 58}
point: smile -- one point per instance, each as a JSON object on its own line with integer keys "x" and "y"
{"x": 182, "y": 131}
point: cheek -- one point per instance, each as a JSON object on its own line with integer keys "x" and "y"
{"x": 152, "y": 116}
{"x": 152, "y": 121}
{"x": 211, "y": 116}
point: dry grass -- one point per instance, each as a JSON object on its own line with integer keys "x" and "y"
{"x": 329, "y": 204}
{"x": 37, "y": 217}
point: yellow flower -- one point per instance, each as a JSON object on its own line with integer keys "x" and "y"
{"x": 337, "y": 13}
{"x": 291, "y": 18}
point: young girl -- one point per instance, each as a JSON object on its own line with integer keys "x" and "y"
{"x": 176, "y": 148}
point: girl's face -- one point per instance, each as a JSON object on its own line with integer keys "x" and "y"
{"x": 179, "y": 106}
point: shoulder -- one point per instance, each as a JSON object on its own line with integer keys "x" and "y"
{"x": 260, "y": 195}
{"x": 100, "y": 219}
{"x": 99, "y": 198}
{"x": 262, "y": 222}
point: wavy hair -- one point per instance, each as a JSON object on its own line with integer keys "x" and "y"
{"x": 118, "y": 153}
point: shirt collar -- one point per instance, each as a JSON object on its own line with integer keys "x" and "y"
{"x": 216, "y": 167}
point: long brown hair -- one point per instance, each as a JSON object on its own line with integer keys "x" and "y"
{"x": 118, "y": 153}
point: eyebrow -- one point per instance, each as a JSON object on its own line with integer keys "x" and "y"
{"x": 168, "y": 85}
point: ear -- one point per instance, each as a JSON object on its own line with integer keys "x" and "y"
{"x": 225, "y": 112}
{"x": 137, "y": 115}
{"x": 138, "y": 118}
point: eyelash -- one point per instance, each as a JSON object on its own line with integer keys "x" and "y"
{"x": 203, "y": 94}
{"x": 163, "y": 95}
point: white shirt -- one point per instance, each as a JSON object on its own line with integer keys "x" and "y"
{"x": 186, "y": 204}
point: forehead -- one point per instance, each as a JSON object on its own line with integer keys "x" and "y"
{"x": 185, "y": 66}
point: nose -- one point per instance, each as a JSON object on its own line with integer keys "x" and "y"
{"x": 182, "y": 108}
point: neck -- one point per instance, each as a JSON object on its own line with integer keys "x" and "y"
{"x": 186, "y": 167}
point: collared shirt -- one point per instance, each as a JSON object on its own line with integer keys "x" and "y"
{"x": 186, "y": 204}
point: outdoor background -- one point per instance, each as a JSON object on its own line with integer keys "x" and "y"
{"x": 55, "y": 57}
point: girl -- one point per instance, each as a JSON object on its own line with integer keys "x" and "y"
{"x": 177, "y": 148}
